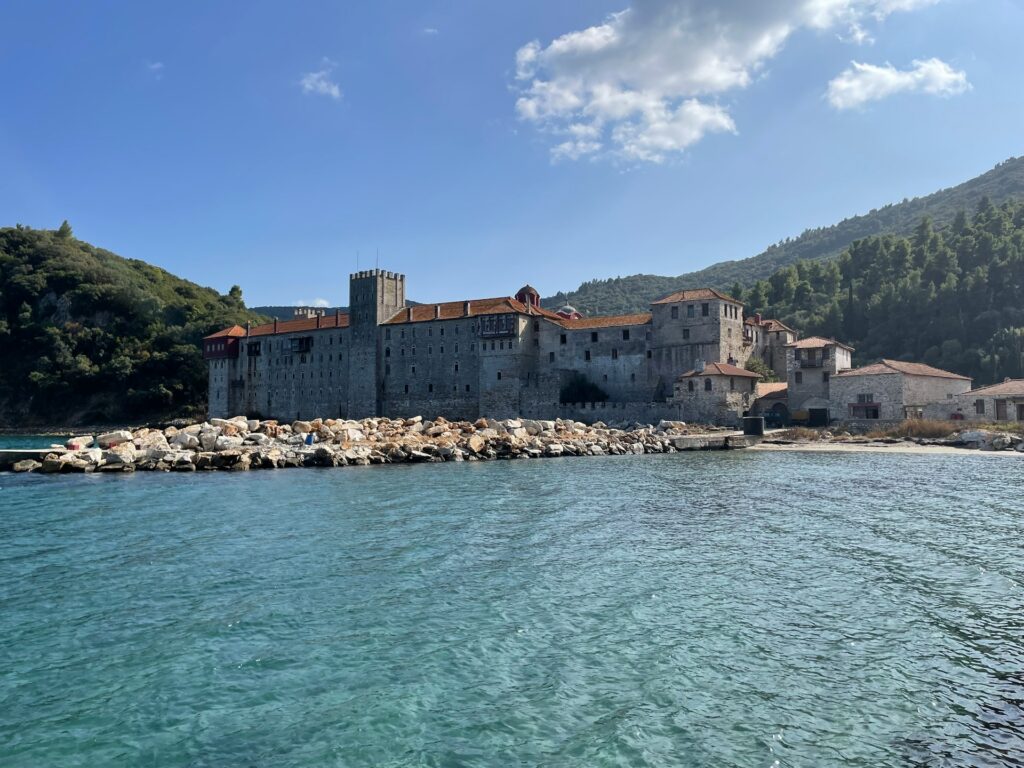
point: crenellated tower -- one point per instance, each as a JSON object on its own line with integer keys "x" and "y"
{"x": 375, "y": 296}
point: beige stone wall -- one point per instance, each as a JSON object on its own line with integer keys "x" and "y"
{"x": 725, "y": 403}
{"x": 885, "y": 389}
{"x": 967, "y": 406}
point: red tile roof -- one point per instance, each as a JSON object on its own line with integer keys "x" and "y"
{"x": 452, "y": 310}
{"x": 817, "y": 342}
{"x": 773, "y": 389}
{"x": 288, "y": 326}
{"x": 770, "y": 325}
{"x": 694, "y": 294}
{"x": 721, "y": 369}
{"x": 234, "y": 330}
{"x": 1013, "y": 387}
{"x": 607, "y": 321}
{"x": 897, "y": 366}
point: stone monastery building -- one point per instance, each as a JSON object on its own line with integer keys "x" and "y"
{"x": 497, "y": 357}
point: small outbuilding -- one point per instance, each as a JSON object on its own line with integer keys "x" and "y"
{"x": 893, "y": 390}
{"x": 715, "y": 393}
{"x": 996, "y": 402}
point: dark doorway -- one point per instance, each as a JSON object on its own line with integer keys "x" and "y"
{"x": 817, "y": 417}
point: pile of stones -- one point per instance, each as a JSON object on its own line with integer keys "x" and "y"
{"x": 243, "y": 444}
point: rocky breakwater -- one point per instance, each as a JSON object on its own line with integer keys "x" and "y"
{"x": 240, "y": 444}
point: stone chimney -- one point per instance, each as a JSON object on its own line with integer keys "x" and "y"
{"x": 757, "y": 318}
{"x": 437, "y": 311}
{"x": 275, "y": 325}
{"x": 698, "y": 366}
{"x": 466, "y": 307}
{"x": 248, "y": 327}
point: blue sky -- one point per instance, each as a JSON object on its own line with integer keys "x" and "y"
{"x": 479, "y": 146}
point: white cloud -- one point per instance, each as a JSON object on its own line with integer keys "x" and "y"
{"x": 320, "y": 82}
{"x": 646, "y": 83}
{"x": 313, "y": 303}
{"x": 155, "y": 68}
{"x": 861, "y": 83}
{"x": 430, "y": 31}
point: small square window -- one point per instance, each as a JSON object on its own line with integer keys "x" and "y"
{"x": 593, "y": 335}
{"x": 625, "y": 334}
{"x": 561, "y": 339}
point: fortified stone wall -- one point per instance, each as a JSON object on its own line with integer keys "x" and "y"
{"x": 431, "y": 366}
{"x": 445, "y": 366}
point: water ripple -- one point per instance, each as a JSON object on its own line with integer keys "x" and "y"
{"x": 700, "y": 610}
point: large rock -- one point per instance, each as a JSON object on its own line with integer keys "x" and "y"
{"x": 227, "y": 443}
{"x": 208, "y": 438}
{"x": 186, "y": 441}
{"x": 26, "y": 465}
{"x": 110, "y": 439}
{"x": 78, "y": 443}
{"x": 476, "y": 443}
{"x": 152, "y": 439}
{"x": 302, "y": 426}
{"x": 124, "y": 453}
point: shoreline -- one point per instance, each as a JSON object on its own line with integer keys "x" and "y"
{"x": 901, "y": 446}
{"x": 240, "y": 444}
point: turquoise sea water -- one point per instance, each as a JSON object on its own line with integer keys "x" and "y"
{"x": 31, "y": 441}
{"x": 719, "y": 609}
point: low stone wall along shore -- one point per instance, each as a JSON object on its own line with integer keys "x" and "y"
{"x": 244, "y": 444}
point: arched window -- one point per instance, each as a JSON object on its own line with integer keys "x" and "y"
{"x": 689, "y": 385}
{"x": 707, "y": 385}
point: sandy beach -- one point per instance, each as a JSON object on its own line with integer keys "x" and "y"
{"x": 901, "y": 447}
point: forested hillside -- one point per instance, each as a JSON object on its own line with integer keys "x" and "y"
{"x": 89, "y": 337}
{"x": 633, "y": 294}
{"x": 952, "y": 297}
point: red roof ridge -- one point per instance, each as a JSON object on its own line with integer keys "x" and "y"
{"x": 885, "y": 366}
{"x": 720, "y": 369}
{"x": 604, "y": 321}
{"x": 690, "y": 294}
{"x": 234, "y": 330}
{"x": 1011, "y": 387}
{"x": 813, "y": 342}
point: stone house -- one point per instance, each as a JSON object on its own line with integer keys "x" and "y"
{"x": 716, "y": 393}
{"x": 996, "y": 402}
{"x": 810, "y": 365}
{"x": 893, "y": 390}
{"x": 767, "y": 340}
{"x": 499, "y": 357}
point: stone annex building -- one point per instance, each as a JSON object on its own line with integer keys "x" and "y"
{"x": 496, "y": 357}
{"x": 509, "y": 356}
